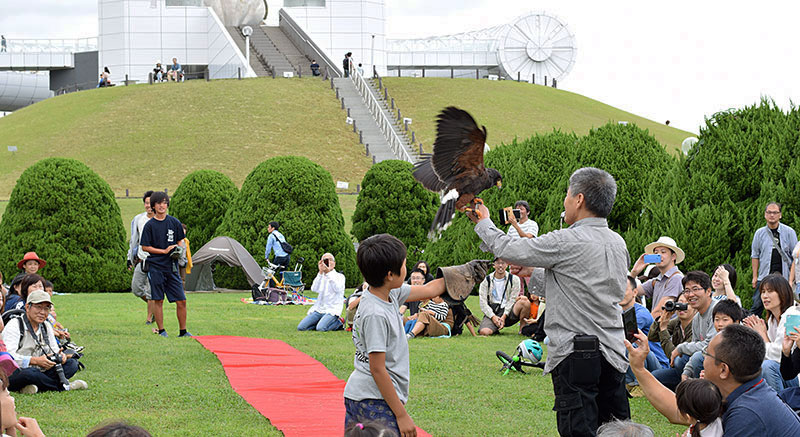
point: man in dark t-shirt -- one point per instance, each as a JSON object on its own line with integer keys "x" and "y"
{"x": 160, "y": 237}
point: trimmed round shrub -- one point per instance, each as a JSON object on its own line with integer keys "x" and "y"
{"x": 200, "y": 203}
{"x": 391, "y": 201}
{"x": 301, "y": 196}
{"x": 67, "y": 214}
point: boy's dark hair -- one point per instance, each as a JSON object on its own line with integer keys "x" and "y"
{"x": 26, "y": 283}
{"x": 699, "y": 398}
{"x": 779, "y": 284}
{"x": 730, "y": 308}
{"x": 158, "y": 197}
{"x": 378, "y": 255}
{"x": 632, "y": 281}
{"x": 47, "y": 284}
{"x": 119, "y": 429}
{"x": 698, "y": 277}
{"x": 147, "y": 194}
{"x": 369, "y": 429}
{"x": 743, "y": 350}
{"x": 275, "y": 225}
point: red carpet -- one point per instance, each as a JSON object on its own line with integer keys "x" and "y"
{"x": 295, "y": 392}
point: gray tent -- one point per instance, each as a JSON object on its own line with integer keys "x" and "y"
{"x": 225, "y": 250}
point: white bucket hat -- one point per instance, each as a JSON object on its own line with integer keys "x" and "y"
{"x": 666, "y": 242}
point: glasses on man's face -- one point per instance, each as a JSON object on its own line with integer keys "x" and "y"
{"x": 41, "y": 308}
{"x": 693, "y": 290}
{"x": 773, "y": 212}
{"x": 706, "y": 354}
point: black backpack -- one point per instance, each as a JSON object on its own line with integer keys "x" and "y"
{"x": 285, "y": 246}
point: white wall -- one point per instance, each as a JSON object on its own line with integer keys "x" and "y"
{"x": 135, "y": 34}
{"x": 344, "y": 26}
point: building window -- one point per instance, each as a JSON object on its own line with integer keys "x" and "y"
{"x": 184, "y": 3}
{"x": 303, "y": 3}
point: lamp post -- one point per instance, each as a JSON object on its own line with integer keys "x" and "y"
{"x": 247, "y": 31}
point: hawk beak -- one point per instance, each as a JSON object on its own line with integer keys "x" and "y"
{"x": 499, "y": 185}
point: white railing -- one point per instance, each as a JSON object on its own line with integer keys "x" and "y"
{"x": 302, "y": 41}
{"x": 396, "y": 144}
{"x": 49, "y": 45}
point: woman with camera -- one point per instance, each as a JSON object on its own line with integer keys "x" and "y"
{"x": 668, "y": 332}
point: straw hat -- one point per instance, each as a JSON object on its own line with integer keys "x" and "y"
{"x": 31, "y": 256}
{"x": 666, "y": 242}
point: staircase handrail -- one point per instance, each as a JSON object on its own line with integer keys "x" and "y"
{"x": 304, "y": 43}
{"x": 396, "y": 144}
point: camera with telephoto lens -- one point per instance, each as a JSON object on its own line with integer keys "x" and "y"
{"x": 671, "y": 305}
{"x": 56, "y": 358}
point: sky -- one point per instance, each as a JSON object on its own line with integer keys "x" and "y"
{"x": 679, "y": 61}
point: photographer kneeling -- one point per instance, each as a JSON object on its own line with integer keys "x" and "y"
{"x": 30, "y": 340}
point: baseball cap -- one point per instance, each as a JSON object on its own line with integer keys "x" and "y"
{"x": 38, "y": 296}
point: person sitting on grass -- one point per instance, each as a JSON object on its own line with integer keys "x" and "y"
{"x": 9, "y": 423}
{"x": 434, "y": 320}
{"x": 668, "y": 331}
{"x": 733, "y": 364}
{"x": 13, "y": 300}
{"x": 31, "y": 263}
{"x": 724, "y": 281}
{"x": 31, "y": 342}
{"x": 351, "y": 305}
{"x": 30, "y": 283}
{"x": 417, "y": 277}
{"x": 725, "y": 313}
{"x": 701, "y": 403}
{"x": 498, "y": 295}
{"x": 325, "y": 314}
{"x": 643, "y": 321}
{"x": 778, "y": 299}
{"x": 118, "y": 429}
{"x": 377, "y": 390}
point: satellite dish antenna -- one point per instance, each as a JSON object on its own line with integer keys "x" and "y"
{"x": 537, "y": 44}
{"x": 688, "y": 144}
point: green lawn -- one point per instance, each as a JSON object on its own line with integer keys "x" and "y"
{"x": 509, "y": 109}
{"x": 174, "y": 387}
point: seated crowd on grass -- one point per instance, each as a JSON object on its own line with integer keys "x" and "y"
{"x": 696, "y": 347}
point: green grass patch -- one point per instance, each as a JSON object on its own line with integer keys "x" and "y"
{"x": 510, "y": 109}
{"x": 150, "y": 136}
{"x": 174, "y": 387}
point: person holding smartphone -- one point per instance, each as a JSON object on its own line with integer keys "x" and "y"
{"x": 523, "y": 227}
{"x": 325, "y": 314}
{"x": 666, "y": 255}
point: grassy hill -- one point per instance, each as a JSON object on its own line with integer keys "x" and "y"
{"x": 150, "y": 136}
{"x": 510, "y": 109}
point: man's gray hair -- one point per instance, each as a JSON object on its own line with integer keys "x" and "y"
{"x": 599, "y": 189}
{"x": 624, "y": 428}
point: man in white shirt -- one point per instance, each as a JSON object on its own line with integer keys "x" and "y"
{"x": 140, "y": 285}
{"x": 524, "y": 227}
{"x": 498, "y": 295}
{"x": 325, "y": 314}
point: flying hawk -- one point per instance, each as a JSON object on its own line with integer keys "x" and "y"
{"x": 456, "y": 168}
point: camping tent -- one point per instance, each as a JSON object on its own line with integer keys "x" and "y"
{"x": 225, "y": 250}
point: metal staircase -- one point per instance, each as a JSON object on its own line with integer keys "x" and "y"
{"x": 259, "y": 67}
{"x": 277, "y": 52}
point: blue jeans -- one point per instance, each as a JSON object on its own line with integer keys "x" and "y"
{"x": 44, "y": 380}
{"x": 671, "y": 376}
{"x": 320, "y": 322}
{"x": 697, "y": 364}
{"x": 771, "y": 372}
{"x": 650, "y": 363}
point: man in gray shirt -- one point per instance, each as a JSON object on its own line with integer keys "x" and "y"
{"x": 698, "y": 290}
{"x": 586, "y": 266}
{"x": 771, "y": 252}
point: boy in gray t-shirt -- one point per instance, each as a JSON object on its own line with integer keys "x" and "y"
{"x": 377, "y": 390}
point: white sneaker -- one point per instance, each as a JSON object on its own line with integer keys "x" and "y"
{"x": 78, "y": 384}
{"x": 29, "y": 389}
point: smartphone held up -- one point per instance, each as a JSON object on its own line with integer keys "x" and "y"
{"x": 504, "y": 217}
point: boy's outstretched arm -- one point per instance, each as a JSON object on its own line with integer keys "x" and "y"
{"x": 377, "y": 367}
{"x": 427, "y": 291}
